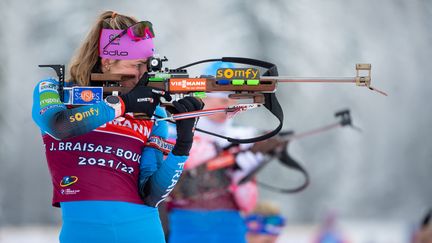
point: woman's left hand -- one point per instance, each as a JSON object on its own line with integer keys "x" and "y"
{"x": 186, "y": 127}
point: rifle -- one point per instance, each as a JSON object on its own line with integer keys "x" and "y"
{"x": 280, "y": 151}
{"x": 277, "y": 148}
{"x": 245, "y": 83}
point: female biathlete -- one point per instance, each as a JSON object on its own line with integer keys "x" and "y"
{"x": 107, "y": 168}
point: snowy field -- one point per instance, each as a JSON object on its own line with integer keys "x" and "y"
{"x": 371, "y": 232}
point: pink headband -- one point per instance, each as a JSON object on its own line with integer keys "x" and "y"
{"x": 124, "y": 48}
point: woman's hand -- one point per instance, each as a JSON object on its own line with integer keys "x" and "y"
{"x": 186, "y": 127}
{"x": 143, "y": 99}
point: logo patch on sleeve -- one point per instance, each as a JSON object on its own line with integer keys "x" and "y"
{"x": 47, "y": 86}
{"x": 49, "y": 98}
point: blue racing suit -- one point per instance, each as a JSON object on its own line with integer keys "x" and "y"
{"x": 107, "y": 178}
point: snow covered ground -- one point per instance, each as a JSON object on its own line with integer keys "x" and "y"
{"x": 357, "y": 232}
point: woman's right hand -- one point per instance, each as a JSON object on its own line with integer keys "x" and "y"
{"x": 185, "y": 128}
{"x": 141, "y": 99}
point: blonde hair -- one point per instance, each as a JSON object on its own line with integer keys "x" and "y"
{"x": 86, "y": 58}
{"x": 266, "y": 208}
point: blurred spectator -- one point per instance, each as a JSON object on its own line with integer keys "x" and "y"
{"x": 329, "y": 233}
{"x": 264, "y": 224}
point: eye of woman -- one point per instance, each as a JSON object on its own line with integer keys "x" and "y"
{"x": 140, "y": 64}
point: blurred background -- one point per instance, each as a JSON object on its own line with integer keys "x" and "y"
{"x": 375, "y": 183}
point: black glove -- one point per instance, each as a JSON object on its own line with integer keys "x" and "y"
{"x": 143, "y": 99}
{"x": 186, "y": 127}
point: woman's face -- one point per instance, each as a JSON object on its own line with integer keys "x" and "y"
{"x": 135, "y": 68}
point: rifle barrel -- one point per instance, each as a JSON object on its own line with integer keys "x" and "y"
{"x": 284, "y": 79}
